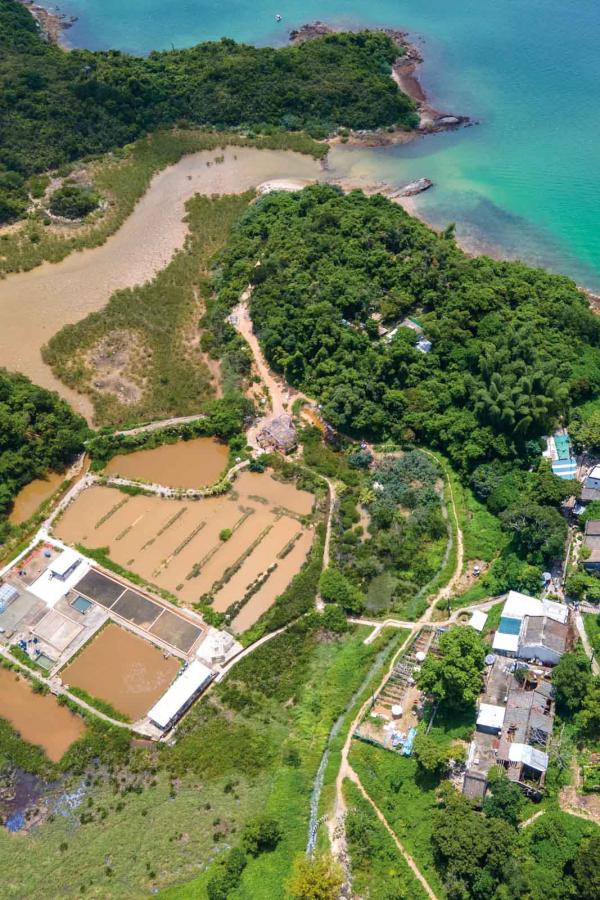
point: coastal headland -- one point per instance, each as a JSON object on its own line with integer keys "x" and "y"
{"x": 404, "y": 73}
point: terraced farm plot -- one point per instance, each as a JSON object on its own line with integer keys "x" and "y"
{"x": 275, "y": 584}
{"x": 177, "y": 545}
{"x": 264, "y": 555}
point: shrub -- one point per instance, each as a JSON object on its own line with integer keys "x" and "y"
{"x": 261, "y": 834}
{"x": 73, "y": 201}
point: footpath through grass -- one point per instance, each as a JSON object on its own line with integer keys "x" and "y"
{"x": 312, "y": 682}
{"x": 379, "y": 871}
{"x": 591, "y": 622}
{"x": 407, "y": 801}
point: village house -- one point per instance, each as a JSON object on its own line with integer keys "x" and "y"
{"x": 279, "y": 434}
{"x": 515, "y": 721}
{"x": 591, "y": 486}
{"x": 591, "y": 541}
{"x": 532, "y": 629}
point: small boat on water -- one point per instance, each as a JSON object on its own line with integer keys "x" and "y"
{"x": 278, "y": 18}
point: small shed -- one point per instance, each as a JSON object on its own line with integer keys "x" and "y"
{"x": 478, "y": 620}
{"x": 475, "y": 787}
{"x": 490, "y": 718}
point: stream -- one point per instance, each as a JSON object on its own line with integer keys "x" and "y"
{"x": 313, "y": 823}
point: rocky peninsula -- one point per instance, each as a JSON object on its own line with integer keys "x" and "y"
{"x": 431, "y": 120}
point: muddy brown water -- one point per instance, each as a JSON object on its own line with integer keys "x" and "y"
{"x": 35, "y": 305}
{"x": 38, "y": 718}
{"x": 175, "y": 544}
{"x": 186, "y": 464}
{"x": 122, "y": 669}
{"x": 275, "y": 585}
{"x": 31, "y": 497}
{"x": 263, "y": 556}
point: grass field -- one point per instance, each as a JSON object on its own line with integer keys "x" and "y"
{"x": 253, "y": 745}
{"x": 407, "y": 804}
{"x": 379, "y": 871}
{"x": 331, "y": 671}
{"x": 592, "y": 629}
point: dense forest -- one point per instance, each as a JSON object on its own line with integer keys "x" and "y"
{"x": 512, "y": 348}
{"x": 56, "y": 107}
{"x": 38, "y": 432}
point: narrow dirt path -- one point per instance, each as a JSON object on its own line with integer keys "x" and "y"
{"x": 408, "y": 858}
{"x": 319, "y": 602}
{"x": 445, "y": 592}
{"x": 531, "y": 819}
{"x": 163, "y": 423}
{"x": 579, "y": 625}
{"x": 335, "y": 823}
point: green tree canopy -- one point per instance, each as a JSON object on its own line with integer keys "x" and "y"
{"x": 587, "y": 868}
{"x": 261, "y": 834}
{"x": 504, "y": 799}
{"x": 334, "y": 587}
{"x": 454, "y": 675}
{"x": 588, "y": 717}
{"x": 472, "y": 849}
{"x": 316, "y": 877}
{"x": 571, "y": 679}
{"x": 508, "y": 342}
{"x": 539, "y": 531}
{"x": 39, "y": 433}
{"x": 57, "y": 106}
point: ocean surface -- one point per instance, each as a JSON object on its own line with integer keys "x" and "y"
{"x": 523, "y": 183}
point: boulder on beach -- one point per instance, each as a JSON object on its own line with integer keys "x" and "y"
{"x": 415, "y": 187}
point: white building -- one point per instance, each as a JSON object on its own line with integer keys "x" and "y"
{"x": 184, "y": 690}
{"x": 60, "y": 576}
{"x": 518, "y": 608}
{"x": 490, "y": 718}
{"x": 478, "y": 619}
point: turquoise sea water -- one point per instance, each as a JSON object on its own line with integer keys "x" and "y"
{"x": 524, "y": 182}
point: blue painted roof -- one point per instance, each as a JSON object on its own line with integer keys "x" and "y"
{"x": 564, "y": 468}
{"x": 562, "y": 442}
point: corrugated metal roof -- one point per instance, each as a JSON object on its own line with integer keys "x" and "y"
{"x": 183, "y": 689}
{"x": 529, "y": 756}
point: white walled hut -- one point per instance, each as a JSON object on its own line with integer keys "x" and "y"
{"x": 181, "y": 694}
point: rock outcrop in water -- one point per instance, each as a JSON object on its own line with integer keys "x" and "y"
{"x": 415, "y": 187}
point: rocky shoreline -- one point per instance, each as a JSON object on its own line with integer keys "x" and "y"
{"x": 52, "y": 24}
{"x": 431, "y": 120}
